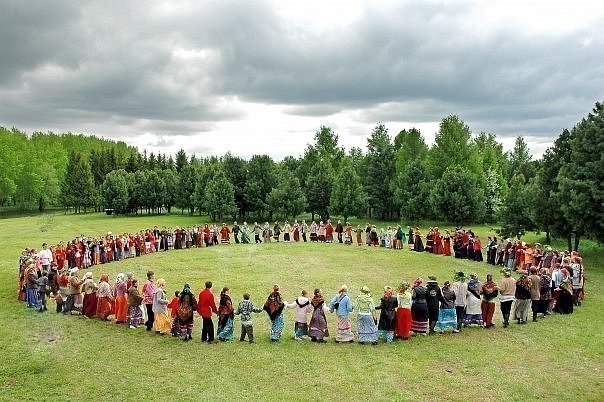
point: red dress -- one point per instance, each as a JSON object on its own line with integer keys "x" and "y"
{"x": 447, "y": 245}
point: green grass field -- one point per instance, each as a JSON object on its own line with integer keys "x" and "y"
{"x": 51, "y": 356}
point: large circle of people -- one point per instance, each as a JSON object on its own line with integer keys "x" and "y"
{"x": 549, "y": 281}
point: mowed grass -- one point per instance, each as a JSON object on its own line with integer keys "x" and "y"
{"x": 51, "y": 356}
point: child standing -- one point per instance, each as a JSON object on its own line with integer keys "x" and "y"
{"x": 173, "y": 306}
{"x": 246, "y": 308}
{"x": 302, "y": 306}
{"x": 42, "y": 283}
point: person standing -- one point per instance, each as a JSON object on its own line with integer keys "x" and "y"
{"x": 461, "y": 288}
{"x": 148, "y": 292}
{"x": 507, "y": 290}
{"x": 489, "y": 294}
{"x": 45, "y": 256}
{"x": 523, "y": 299}
{"x": 535, "y": 291}
{"x": 246, "y": 308}
{"x": 184, "y": 314}
{"x": 473, "y": 307}
{"x": 367, "y": 328}
{"x": 121, "y": 305}
{"x": 205, "y": 307}
{"x": 318, "y": 322}
{"x": 104, "y": 298}
{"x": 419, "y": 308}
{"x": 225, "y": 316}
{"x": 387, "y": 307}
{"x": 339, "y": 230}
{"x": 302, "y": 306}
{"x": 162, "y": 322}
{"x": 257, "y": 233}
{"x": 274, "y": 306}
{"x": 343, "y": 307}
{"x": 403, "y": 312}
{"x": 446, "y": 314}
{"x": 434, "y": 297}
{"x": 236, "y": 231}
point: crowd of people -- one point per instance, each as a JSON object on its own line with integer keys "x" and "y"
{"x": 549, "y": 281}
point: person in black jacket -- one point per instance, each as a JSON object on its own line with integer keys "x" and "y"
{"x": 433, "y": 298}
{"x": 387, "y": 307}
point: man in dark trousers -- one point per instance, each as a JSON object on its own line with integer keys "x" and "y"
{"x": 205, "y": 307}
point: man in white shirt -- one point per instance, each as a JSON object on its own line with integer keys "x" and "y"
{"x": 45, "y": 257}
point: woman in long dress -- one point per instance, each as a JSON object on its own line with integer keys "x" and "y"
{"x": 342, "y": 306}
{"x": 367, "y": 327}
{"x": 419, "y": 308}
{"x": 274, "y": 307}
{"x": 318, "y": 321}
{"x": 104, "y": 298}
{"x": 161, "y": 323}
{"x": 225, "y": 316}
{"x": 387, "y": 307}
{"x": 89, "y": 289}
{"x": 403, "y": 312}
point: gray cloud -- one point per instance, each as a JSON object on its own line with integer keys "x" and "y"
{"x": 138, "y": 68}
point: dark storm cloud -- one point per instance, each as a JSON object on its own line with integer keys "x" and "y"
{"x": 168, "y": 70}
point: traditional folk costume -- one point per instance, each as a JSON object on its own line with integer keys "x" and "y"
{"x": 302, "y": 306}
{"x": 359, "y": 232}
{"x": 447, "y": 317}
{"x": 489, "y": 295}
{"x": 121, "y": 305}
{"x": 313, "y": 231}
{"x": 434, "y": 297}
{"x": 523, "y": 299}
{"x": 419, "y": 244}
{"x": 564, "y": 303}
{"x": 411, "y": 240}
{"x": 535, "y": 294}
{"x": 473, "y": 306}
{"x": 507, "y": 291}
{"x": 225, "y": 318}
{"x": 461, "y": 288}
{"x": 135, "y": 314}
{"x": 318, "y": 321}
{"x": 387, "y": 322}
{"x": 419, "y": 308}
{"x": 447, "y": 245}
{"x": 274, "y": 307}
{"x": 224, "y": 235}
{"x": 162, "y": 322}
{"x": 343, "y": 307}
{"x": 104, "y": 298}
{"x": 367, "y": 327}
{"x": 187, "y": 305}
{"x": 545, "y": 282}
{"x": 90, "y": 299}
{"x": 403, "y": 312}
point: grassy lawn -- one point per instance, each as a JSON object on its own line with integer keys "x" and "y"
{"x": 51, "y": 356}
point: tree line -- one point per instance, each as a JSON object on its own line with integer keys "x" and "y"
{"x": 462, "y": 178}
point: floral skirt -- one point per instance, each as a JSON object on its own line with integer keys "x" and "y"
{"x": 135, "y": 316}
{"x": 277, "y": 328}
{"x": 367, "y": 328}
{"x": 225, "y": 332}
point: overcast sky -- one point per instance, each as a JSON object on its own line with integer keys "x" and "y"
{"x": 262, "y": 76}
